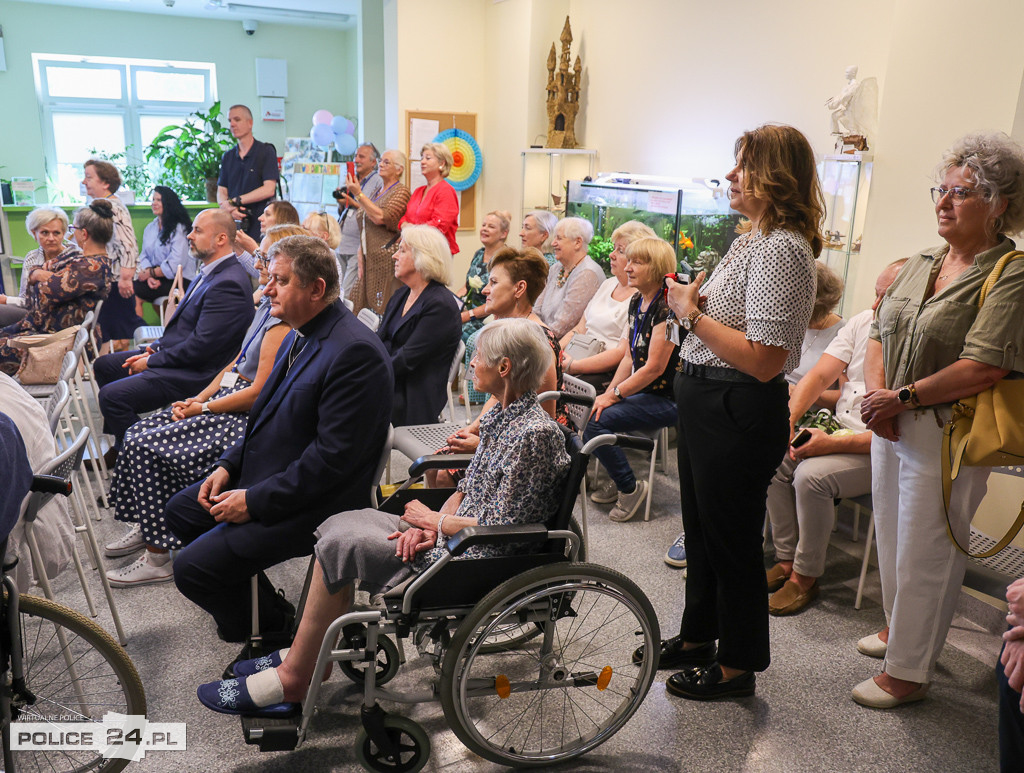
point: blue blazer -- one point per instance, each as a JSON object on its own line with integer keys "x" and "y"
{"x": 422, "y": 345}
{"x": 206, "y": 331}
{"x": 316, "y": 432}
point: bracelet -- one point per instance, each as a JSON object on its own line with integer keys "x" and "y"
{"x": 440, "y": 525}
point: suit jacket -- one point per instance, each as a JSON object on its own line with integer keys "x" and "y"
{"x": 421, "y": 345}
{"x": 206, "y": 331}
{"x": 316, "y": 432}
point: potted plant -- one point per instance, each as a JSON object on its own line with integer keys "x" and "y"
{"x": 190, "y": 155}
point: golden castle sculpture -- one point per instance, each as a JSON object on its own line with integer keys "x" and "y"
{"x": 563, "y": 94}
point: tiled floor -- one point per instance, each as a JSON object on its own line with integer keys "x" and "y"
{"x": 802, "y": 718}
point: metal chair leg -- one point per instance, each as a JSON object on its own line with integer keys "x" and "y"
{"x": 864, "y": 564}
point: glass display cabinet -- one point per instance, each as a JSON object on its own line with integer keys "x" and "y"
{"x": 692, "y": 215}
{"x": 845, "y": 180}
{"x": 545, "y": 175}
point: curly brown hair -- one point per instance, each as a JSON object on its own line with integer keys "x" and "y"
{"x": 779, "y": 169}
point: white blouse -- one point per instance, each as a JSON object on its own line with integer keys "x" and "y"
{"x": 605, "y": 317}
{"x": 764, "y": 287}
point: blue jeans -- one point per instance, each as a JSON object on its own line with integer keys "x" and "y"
{"x": 641, "y": 411}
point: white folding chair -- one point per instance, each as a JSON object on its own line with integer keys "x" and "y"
{"x": 369, "y": 318}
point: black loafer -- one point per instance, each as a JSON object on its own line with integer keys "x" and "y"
{"x": 705, "y": 684}
{"x": 674, "y": 656}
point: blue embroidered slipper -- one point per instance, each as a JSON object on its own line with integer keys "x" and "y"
{"x": 254, "y": 666}
{"x": 231, "y": 696}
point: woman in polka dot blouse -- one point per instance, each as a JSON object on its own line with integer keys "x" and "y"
{"x": 746, "y": 325}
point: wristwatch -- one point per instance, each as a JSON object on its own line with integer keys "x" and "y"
{"x": 689, "y": 322}
{"x": 617, "y": 393}
{"x": 235, "y": 202}
{"x": 908, "y": 396}
{"x": 205, "y": 408}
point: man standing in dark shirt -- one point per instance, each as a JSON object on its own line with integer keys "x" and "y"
{"x": 248, "y": 173}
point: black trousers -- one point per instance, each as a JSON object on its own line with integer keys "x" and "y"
{"x": 732, "y": 437}
{"x": 147, "y": 293}
{"x": 1011, "y": 724}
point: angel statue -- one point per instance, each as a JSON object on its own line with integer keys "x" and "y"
{"x": 854, "y": 111}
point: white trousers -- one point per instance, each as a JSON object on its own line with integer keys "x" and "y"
{"x": 801, "y": 505}
{"x": 348, "y": 272}
{"x": 921, "y": 569}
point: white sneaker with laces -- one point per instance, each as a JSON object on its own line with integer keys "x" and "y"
{"x": 605, "y": 493}
{"x": 628, "y": 504}
{"x": 128, "y": 543}
{"x": 141, "y": 572}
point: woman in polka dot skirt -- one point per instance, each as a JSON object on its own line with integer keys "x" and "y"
{"x": 177, "y": 446}
{"x": 745, "y": 328}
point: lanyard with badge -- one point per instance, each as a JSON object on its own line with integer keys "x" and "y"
{"x": 229, "y": 379}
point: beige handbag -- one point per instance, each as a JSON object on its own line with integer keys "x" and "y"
{"x": 177, "y": 292}
{"x": 986, "y": 430}
{"x": 43, "y": 355}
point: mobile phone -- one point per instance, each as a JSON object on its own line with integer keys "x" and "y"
{"x": 801, "y": 437}
{"x": 351, "y": 166}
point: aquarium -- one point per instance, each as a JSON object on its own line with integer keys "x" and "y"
{"x": 693, "y": 217}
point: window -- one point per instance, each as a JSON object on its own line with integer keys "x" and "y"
{"x": 113, "y": 105}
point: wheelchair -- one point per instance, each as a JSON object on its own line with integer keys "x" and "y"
{"x": 532, "y": 654}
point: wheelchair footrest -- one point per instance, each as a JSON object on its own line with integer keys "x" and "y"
{"x": 272, "y": 734}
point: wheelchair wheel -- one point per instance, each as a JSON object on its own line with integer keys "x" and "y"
{"x": 74, "y": 668}
{"x": 386, "y": 661}
{"x": 512, "y": 634}
{"x": 558, "y": 695}
{"x": 412, "y": 741}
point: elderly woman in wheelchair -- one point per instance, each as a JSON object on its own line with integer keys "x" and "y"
{"x": 506, "y": 643}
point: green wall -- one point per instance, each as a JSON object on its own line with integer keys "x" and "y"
{"x": 322, "y": 66}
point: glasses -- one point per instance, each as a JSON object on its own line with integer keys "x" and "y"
{"x": 259, "y": 257}
{"x": 957, "y": 193}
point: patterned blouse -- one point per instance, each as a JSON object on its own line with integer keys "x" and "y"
{"x": 36, "y": 257}
{"x": 639, "y": 327}
{"x": 515, "y": 476}
{"x": 124, "y": 247}
{"x": 76, "y": 286}
{"x": 476, "y": 279}
{"x": 763, "y": 287}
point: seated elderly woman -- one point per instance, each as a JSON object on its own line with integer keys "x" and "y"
{"x": 493, "y": 233}
{"x": 514, "y": 478}
{"x": 538, "y": 228}
{"x": 824, "y": 326}
{"x": 572, "y": 280}
{"x": 604, "y": 319}
{"x": 48, "y": 225}
{"x": 172, "y": 449}
{"x": 64, "y": 289}
{"x": 639, "y": 396}
{"x": 420, "y": 328}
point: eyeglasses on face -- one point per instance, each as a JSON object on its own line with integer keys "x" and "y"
{"x": 958, "y": 193}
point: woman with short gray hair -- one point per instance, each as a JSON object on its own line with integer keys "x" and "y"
{"x": 573, "y": 279}
{"x": 516, "y": 477}
{"x": 538, "y": 228}
{"x": 930, "y": 346}
{"x": 47, "y": 225}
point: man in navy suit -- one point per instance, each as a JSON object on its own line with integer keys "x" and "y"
{"x": 202, "y": 337}
{"x": 311, "y": 445}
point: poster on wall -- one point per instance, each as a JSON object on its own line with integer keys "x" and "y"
{"x": 312, "y": 186}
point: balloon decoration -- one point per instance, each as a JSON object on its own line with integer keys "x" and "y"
{"x": 467, "y": 162}
{"x": 328, "y": 128}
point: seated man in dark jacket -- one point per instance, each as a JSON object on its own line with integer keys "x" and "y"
{"x": 310, "y": 449}
{"x": 201, "y": 338}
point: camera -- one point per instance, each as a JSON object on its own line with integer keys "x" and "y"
{"x": 249, "y": 25}
{"x": 339, "y": 193}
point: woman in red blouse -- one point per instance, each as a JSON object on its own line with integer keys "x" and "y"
{"x": 435, "y": 203}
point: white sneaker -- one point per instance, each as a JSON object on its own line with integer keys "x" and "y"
{"x": 141, "y": 572}
{"x": 605, "y": 493}
{"x": 127, "y": 544}
{"x": 628, "y": 504}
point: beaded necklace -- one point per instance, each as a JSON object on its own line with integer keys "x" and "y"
{"x": 563, "y": 275}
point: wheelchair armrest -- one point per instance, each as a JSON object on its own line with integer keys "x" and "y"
{"x": 620, "y": 440}
{"x": 495, "y": 535}
{"x": 439, "y": 462}
{"x": 51, "y": 484}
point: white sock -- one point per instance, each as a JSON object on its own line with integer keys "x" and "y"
{"x": 157, "y": 559}
{"x": 265, "y": 688}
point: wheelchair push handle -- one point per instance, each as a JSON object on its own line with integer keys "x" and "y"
{"x": 620, "y": 440}
{"x": 51, "y": 484}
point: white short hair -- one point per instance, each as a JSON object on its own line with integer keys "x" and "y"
{"x": 524, "y": 343}
{"x": 575, "y": 228}
{"x": 40, "y": 216}
{"x": 430, "y": 252}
